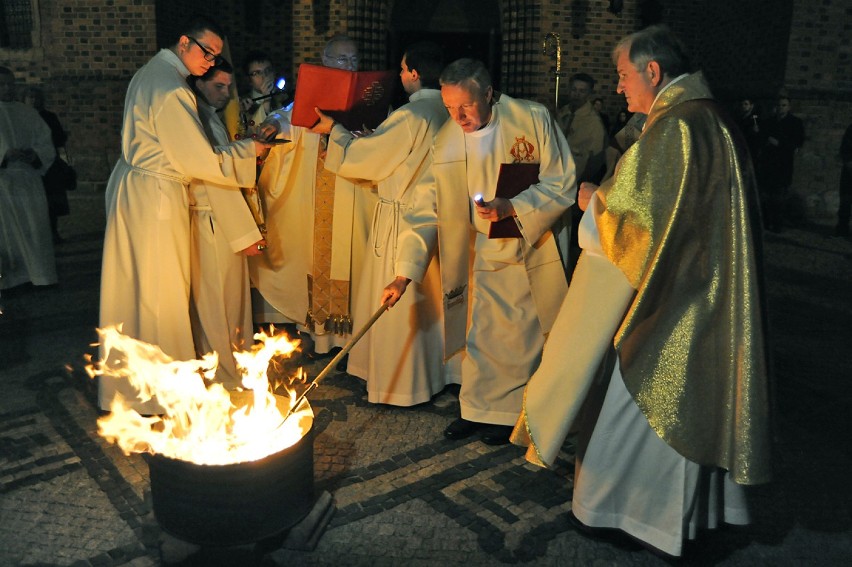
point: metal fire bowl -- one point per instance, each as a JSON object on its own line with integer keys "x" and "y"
{"x": 236, "y": 504}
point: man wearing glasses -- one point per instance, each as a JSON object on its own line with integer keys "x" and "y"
{"x": 261, "y": 76}
{"x": 317, "y": 228}
{"x": 145, "y": 280}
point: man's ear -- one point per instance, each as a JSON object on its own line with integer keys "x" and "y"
{"x": 415, "y": 75}
{"x": 655, "y": 73}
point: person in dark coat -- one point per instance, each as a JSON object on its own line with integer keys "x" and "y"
{"x": 782, "y": 136}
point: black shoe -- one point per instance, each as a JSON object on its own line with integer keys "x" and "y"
{"x": 461, "y": 428}
{"x": 341, "y": 365}
{"x": 496, "y": 434}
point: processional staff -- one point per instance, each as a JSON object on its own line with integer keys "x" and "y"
{"x": 551, "y": 45}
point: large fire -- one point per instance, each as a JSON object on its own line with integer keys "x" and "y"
{"x": 202, "y": 421}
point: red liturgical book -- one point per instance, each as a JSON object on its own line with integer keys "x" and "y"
{"x": 513, "y": 178}
{"x": 354, "y": 98}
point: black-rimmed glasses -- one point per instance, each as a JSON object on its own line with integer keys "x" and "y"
{"x": 208, "y": 55}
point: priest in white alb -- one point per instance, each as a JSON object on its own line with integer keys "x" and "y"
{"x": 401, "y": 356}
{"x": 224, "y": 233}
{"x": 514, "y": 284}
{"x": 317, "y": 225}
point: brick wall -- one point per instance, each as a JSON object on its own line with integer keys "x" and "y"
{"x": 90, "y": 49}
{"x": 819, "y": 83}
{"x": 265, "y": 25}
{"x": 755, "y": 48}
{"x": 313, "y": 24}
{"x": 588, "y": 32}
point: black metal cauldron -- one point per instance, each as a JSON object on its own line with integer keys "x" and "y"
{"x": 235, "y": 504}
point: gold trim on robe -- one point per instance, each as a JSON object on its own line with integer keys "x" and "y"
{"x": 680, "y": 219}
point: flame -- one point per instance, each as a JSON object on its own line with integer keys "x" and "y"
{"x": 202, "y": 422}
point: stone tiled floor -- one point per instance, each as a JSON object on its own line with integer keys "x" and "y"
{"x": 403, "y": 495}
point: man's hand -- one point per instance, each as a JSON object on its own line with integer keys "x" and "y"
{"x": 495, "y": 210}
{"x": 394, "y": 290}
{"x": 584, "y": 195}
{"x": 325, "y": 124}
{"x": 267, "y": 131}
{"x": 255, "y": 249}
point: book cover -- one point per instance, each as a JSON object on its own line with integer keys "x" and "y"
{"x": 513, "y": 178}
{"x": 354, "y": 98}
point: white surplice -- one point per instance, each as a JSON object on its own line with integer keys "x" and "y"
{"x": 145, "y": 280}
{"x": 287, "y": 186}
{"x": 26, "y": 244}
{"x": 222, "y": 226}
{"x": 401, "y": 356}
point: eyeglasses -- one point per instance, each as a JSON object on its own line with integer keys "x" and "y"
{"x": 208, "y": 55}
{"x": 343, "y": 60}
{"x": 265, "y": 72}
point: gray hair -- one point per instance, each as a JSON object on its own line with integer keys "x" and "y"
{"x": 468, "y": 72}
{"x": 338, "y": 38}
{"x": 655, "y": 43}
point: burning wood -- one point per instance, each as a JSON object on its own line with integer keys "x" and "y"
{"x": 202, "y": 422}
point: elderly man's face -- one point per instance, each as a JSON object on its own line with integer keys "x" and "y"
{"x": 341, "y": 55}
{"x": 469, "y": 108}
{"x": 216, "y": 91}
{"x": 7, "y": 88}
{"x": 634, "y": 84}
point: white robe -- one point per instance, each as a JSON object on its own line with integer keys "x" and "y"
{"x": 401, "y": 357}
{"x": 627, "y": 477}
{"x": 26, "y": 244}
{"x": 145, "y": 280}
{"x": 221, "y": 227}
{"x": 287, "y": 186}
{"x": 517, "y": 284}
